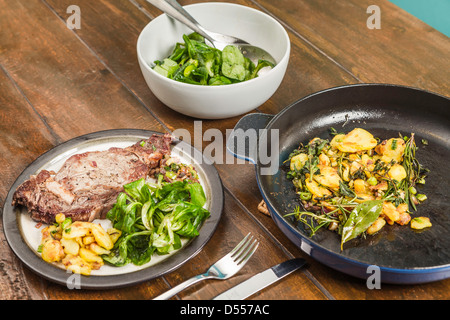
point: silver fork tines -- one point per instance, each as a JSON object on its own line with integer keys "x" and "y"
{"x": 238, "y": 253}
{"x": 225, "y": 268}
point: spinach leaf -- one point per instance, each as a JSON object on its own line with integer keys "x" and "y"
{"x": 197, "y": 194}
{"x": 261, "y": 64}
{"x": 361, "y": 218}
{"x": 167, "y": 68}
{"x": 153, "y": 218}
{"x": 219, "y": 80}
{"x": 233, "y": 64}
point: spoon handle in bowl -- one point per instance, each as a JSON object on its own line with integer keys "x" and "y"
{"x": 173, "y": 9}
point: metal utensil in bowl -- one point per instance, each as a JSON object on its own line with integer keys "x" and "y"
{"x": 218, "y": 40}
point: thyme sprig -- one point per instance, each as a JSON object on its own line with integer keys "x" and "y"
{"x": 314, "y": 221}
{"x": 414, "y": 171}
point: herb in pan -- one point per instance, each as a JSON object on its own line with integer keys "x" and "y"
{"x": 354, "y": 185}
{"x": 195, "y": 62}
{"x": 154, "y": 218}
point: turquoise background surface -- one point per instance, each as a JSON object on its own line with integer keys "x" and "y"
{"x": 435, "y": 13}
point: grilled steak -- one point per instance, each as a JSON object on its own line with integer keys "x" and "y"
{"x": 87, "y": 185}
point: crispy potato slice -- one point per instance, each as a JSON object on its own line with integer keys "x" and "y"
{"x": 390, "y": 211}
{"x": 376, "y": 226}
{"x": 397, "y": 172}
{"x": 298, "y": 161}
{"x": 77, "y": 229}
{"x": 382, "y": 186}
{"x": 360, "y": 186}
{"x": 114, "y": 234}
{"x": 52, "y": 251}
{"x": 77, "y": 265}
{"x": 337, "y": 140}
{"x": 324, "y": 159}
{"x": 345, "y": 171}
{"x": 89, "y": 256}
{"x": 70, "y": 246}
{"x": 328, "y": 177}
{"x": 316, "y": 189}
{"x": 420, "y": 223}
{"x": 367, "y": 162}
{"x": 101, "y": 237}
{"x": 88, "y": 240}
{"x": 356, "y": 140}
{"x": 402, "y": 208}
{"x": 362, "y": 197}
{"x": 391, "y": 149}
{"x": 403, "y": 219}
{"x": 97, "y": 249}
{"x": 47, "y": 233}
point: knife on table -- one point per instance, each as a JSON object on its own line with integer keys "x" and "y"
{"x": 261, "y": 280}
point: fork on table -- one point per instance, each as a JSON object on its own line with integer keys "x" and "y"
{"x": 225, "y": 268}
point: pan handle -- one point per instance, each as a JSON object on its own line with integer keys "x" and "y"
{"x": 241, "y": 141}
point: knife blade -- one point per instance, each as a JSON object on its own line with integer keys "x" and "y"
{"x": 261, "y": 280}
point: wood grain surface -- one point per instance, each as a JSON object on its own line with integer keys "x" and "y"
{"x": 57, "y": 83}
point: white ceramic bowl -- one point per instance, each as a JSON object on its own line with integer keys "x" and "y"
{"x": 159, "y": 37}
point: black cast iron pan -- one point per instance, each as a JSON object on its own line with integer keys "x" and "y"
{"x": 401, "y": 254}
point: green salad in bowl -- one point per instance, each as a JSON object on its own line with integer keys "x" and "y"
{"x": 195, "y": 62}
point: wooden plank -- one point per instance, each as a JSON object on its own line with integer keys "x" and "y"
{"x": 404, "y": 51}
{"x": 23, "y": 132}
{"x": 64, "y": 81}
{"x": 23, "y": 137}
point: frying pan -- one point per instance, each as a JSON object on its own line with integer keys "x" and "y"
{"x": 397, "y": 254}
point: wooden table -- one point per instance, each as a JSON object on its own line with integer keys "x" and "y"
{"x": 57, "y": 83}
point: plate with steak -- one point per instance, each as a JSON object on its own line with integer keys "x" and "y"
{"x": 82, "y": 179}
